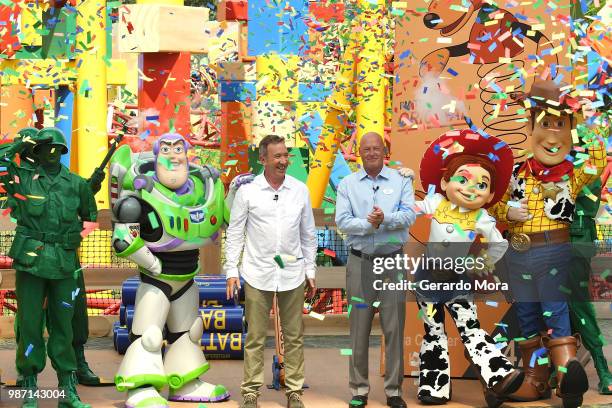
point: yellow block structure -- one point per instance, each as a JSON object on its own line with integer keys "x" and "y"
{"x": 273, "y": 118}
{"x": 371, "y": 87}
{"x": 223, "y": 41}
{"x": 309, "y": 70}
{"x": 117, "y": 72}
{"x": 31, "y": 24}
{"x": 360, "y": 86}
{"x": 303, "y": 112}
{"x": 277, "y": 78}
{"x": 48, "y": 73}
{"x": 52, "y": 73}
{"x": 90, "y": 93}
{"x": 339, "y": 106}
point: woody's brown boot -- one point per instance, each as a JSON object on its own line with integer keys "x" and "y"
{"x": 535, "y": 385}
{"x": 572, "y": 381}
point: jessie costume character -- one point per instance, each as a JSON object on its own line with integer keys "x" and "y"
{"x": 539, "y": 207}
{"x": 463, "y": 173}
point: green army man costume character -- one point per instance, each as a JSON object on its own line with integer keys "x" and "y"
{"x": 582, "y": 313}
{"x": 52, "y": 204}
{"x": 80, "y": 323}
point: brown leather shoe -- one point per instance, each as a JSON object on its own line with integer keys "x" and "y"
{"x": 535, "y": 385}
{"x": 572, "y": 381}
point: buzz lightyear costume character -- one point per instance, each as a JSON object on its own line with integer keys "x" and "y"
{"x": 164, "y": 210}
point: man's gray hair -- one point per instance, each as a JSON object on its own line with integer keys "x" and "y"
{"x": 268, "y": 140}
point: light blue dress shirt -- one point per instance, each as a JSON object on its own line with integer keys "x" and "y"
{"x": 356, "y": 196}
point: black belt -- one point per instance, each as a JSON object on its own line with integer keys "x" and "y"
{"x": 369, "y": 257}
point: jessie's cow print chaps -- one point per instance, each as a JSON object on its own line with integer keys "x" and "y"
{"x": 434, "y": 378}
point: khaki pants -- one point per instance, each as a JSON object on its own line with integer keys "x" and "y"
{"x": 257, "y": 306}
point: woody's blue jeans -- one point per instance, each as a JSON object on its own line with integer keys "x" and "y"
{"x": 538, "y": 280}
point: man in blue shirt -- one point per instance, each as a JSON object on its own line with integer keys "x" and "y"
{"x": 374, "y": 209}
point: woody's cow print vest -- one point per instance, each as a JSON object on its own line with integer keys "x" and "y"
{"x": 561, "y": 209}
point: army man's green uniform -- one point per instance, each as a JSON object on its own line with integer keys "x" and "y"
{"x": 583, "y": 233}
{"x": 80, "y": 323}
{"x": 51, "y": 204}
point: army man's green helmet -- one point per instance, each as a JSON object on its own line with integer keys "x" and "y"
{"x": 56, "y": 135}
{"x": 30, "y": 132}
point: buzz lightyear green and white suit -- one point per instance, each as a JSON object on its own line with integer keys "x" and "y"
{"x": 161, "y": 230}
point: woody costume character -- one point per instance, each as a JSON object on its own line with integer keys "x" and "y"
{"x": 469, "y": 172}
{"x": 538, "y": 209}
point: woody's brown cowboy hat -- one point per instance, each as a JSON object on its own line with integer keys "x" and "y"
{"x": 550, "y": 96}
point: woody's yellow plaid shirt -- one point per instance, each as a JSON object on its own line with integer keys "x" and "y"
{"x": 534, "y": 194}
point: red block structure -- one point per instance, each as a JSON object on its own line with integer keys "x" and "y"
{"x": 327, "y": 12}
{"x": 163, "y": 98}
{"x": 9, "y": 40}
{"x": 233, "y": 10}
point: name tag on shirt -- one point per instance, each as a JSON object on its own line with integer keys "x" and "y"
{"x": 388, "y": 191}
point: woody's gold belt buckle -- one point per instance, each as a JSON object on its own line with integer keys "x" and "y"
{"x": 520, "y": 242}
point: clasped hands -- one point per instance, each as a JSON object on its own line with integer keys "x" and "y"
{"x": 376, "y": 217}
